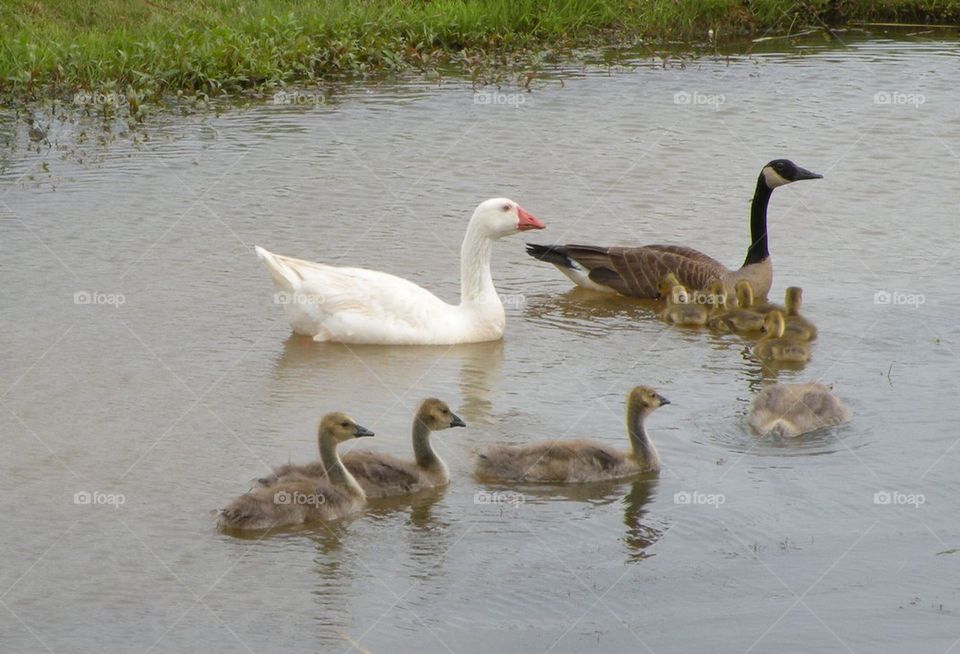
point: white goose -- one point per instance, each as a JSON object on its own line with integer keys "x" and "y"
{"x": 355, "y": 305}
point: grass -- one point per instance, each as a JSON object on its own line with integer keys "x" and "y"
{"x": 155, "y": 48}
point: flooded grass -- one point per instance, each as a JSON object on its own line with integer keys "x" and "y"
{"x": 119, "y": 53}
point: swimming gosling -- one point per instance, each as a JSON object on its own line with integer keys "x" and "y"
{"x": 579, "y": 461}
{"x": 797, "y": 325}
{"x": 382, "y": 475}
{"x": 775, "y": 346}
{"x": 741, "y": 318}
{"x": 680, "y": 310}
{"x": 789, "y": 410}
{"x": 334, "y": 495}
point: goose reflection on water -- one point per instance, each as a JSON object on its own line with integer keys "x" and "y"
{"x": 634, "y": 494}
{"x": 306, "y": 369}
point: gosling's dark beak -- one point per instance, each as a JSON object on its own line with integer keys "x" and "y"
{"x": 663, "y": 400}
{"x": 803, "y": 173}
{"x": 360, "y": 432}
{"x": 456, "y": 421}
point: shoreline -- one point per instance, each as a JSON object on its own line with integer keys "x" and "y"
{"x": 118, "y": 58}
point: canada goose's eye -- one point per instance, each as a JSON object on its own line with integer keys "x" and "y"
{"x": 446, "y": 411}
{"x": 505, "y": 208}
{"x": 344, "y": 424}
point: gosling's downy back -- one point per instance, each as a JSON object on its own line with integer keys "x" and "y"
{"x": 789, "y": 410}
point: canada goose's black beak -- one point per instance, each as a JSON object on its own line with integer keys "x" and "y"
{"x": 360, "y": 432}
{"x": 456, "y": 421}
{"x": 663, "y": 400}
{"x": 803, "y": 173}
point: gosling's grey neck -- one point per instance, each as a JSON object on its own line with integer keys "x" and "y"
{"x": 423, "y": 452}
{"x": 333, "y": 467}
{"x": 476, "y": 282}
{"x": 643, "y": 448}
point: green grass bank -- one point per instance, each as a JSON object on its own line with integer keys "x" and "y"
{"x": 154, "y": 48}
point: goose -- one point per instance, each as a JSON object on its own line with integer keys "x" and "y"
{"x": 788, "y": 410}
{"x": 774, "y": 346}
{"x": 381, "y": 475}
{"x": 797, "y": 325}
{"x": 334, "y": 495}
{"x": 635, "y": 271}
{"x": 579, "y": 461}
{"x": 741, "y": 318}
{"x": 360, "y": 306}
{"x": 680, "y": 309}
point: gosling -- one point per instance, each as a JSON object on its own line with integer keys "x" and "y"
{"x": 789, "y": 410}
{"x": 741, "y": 318}
{"x": 797, "y": 325}
{"x": 679, "y": 309}
{"x": 579, "y": 461}
{"x": 382, "y": 475}
{"x": 332, "y": 496}
{"x": 774, "y": 346}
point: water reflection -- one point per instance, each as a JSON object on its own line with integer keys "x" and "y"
{"x": 308, "y": 368}
{"x": 589, "y": 312}
{"x": 640, "y": 534}
{"x": 634, "y": 494}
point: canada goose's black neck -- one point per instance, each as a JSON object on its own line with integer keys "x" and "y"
{"x": 758, "y": 251}
{"x": 422, "y": 450}
{"x": 643, "y": 449}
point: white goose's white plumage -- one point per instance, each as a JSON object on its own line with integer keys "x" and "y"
{"x": 355, "y": 305}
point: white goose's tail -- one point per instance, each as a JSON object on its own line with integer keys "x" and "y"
{"x": 284, "y": 276}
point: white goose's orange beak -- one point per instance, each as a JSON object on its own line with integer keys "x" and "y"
{"x": 527, "y": 221}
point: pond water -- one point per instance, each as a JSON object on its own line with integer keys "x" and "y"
{"x": 172, "y": 378}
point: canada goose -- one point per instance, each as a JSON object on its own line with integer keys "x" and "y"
{"x": 381, "y": 475}
{"x": 788, "y": 410}
{"x": 294, "y": 502}
{"x": 797, "y": 325}
{"x": 636, "y": 271}
{"x": 774, "y": 346}
{"x": 579, "y": 461}
{"x": 742, "y": 318}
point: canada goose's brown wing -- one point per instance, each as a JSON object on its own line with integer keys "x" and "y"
{"x": 638, "y": 271}
{"x": 689, "y": 253}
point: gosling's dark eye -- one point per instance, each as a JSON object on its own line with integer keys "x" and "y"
{"x": 446, "y": 411}
{"x": 344, "y": 424}
{"x": 505, "y": 207}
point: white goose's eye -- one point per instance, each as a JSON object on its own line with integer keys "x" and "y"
{"x": 505, "y": 208}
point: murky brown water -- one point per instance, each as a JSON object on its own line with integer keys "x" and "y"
{"x": 193, "y": 385}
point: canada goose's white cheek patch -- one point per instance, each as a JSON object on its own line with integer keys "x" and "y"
{"x": 773, "y": 178}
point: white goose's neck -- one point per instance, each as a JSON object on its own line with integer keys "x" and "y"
{"x": 476, "y": 282}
